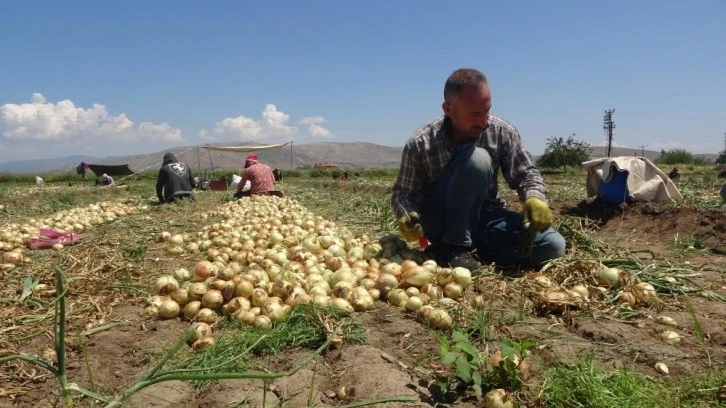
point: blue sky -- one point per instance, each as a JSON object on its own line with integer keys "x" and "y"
{"x": 170, "y": 73}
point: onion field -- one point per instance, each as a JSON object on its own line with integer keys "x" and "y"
{"x": 314, "y": 300}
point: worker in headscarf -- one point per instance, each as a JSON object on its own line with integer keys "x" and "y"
{"x": 260, "y": 176}
{"x": 175, "y": 180}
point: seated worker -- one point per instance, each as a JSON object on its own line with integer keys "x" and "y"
{"x": 175, "y": 180}
{"x": 674, "y": 174}
{"x": 260, "y": 176}
{"x": 447, "y": 187}
{"x": 106, "y": 180}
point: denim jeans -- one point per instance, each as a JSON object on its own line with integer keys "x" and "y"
{"x": 454, "y": 213}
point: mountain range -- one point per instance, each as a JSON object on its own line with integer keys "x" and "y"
{"x": 355, "y": 154}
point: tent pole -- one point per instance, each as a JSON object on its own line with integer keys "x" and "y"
{"x": 199, "y": 161}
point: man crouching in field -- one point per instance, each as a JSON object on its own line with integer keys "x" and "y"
{"x": 175, "y": 180}
{"x": 447, "y": 185}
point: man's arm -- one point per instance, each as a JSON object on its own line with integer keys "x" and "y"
{"x": 245, "y": 177}
{"x": 406, "y": 192}
{"x": 518, "y": 169}
{"x": 160, "y": 185}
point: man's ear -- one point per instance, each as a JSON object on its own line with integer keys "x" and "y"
{"x": 446, "y": 106}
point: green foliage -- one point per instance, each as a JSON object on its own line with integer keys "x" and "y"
{"x": 560, "y": 152}
{"x": 721, "y": 159}
{"x": 679, "y": 156}
{"x": 472, "y": 369}
{"x": 587, "y": 385}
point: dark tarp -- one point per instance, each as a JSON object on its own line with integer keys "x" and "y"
{"x": 111, "y": 170}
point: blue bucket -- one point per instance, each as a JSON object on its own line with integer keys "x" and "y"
{"x": 615, "y": 191}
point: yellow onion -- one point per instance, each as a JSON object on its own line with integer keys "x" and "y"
{"x": 416, "y": 276}
{"x": 498, "y": 398}
{"x": 213, "y": 299}
{"x": 182, "y": 274}
{"x": 166, "y": 285}
{"x": 262, "y": 322}
{"x": 386, "y": 282}
{"x": 413, "y": 303}
{"x": 397, "y": 297}
{"x": 342, "y": 305}
{"x": 203, "y": 270}
{"x": 197, "y": 290}
{"x": 582, "y": 291}
{"x": 608, "y": 277}
{"x": 462, "y": 276}
{"x": 452, "y": 290}
{"x": 191, "y": 309}
{"x": 440, "y": 319}
{"x": 168, "y": 309}
{"x": 644, "y": 292}
{"x": 670, "y": 337}
{"x": 206, "y": 315}
{"x": 201, "y": 330}
{"x": 203, "y": 343}
{"x": 180, "y": 296}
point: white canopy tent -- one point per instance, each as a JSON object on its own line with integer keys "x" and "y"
{"x": 249, "y": 149}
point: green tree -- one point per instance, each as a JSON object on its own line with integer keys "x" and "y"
{"x": 679, "y": 156}
{"x": 560, "y": 152}
{"x": 721, "y": 158}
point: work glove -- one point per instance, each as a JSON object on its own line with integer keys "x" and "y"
{"x": 537, "y": 214}
{"x": 411, "y": 230}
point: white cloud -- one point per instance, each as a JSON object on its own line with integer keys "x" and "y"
{"x": 311, "y": 120}
{"x": 205, "y": 136}
{"x": 319, "y": 131}
{"x": 63, "y": 120}
{"x": 273, "y": 124}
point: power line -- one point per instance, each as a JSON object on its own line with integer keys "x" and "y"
{"x": 608, "y": 125}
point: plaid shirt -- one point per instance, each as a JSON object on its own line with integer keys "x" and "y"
{"x": 260, "y": 177}
{"x": 427, "y": 153}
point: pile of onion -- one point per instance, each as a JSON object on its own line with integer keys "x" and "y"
{"x": 260, "y": 257}
{"x": 14, "y": 236}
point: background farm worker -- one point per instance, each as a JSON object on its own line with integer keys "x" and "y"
{"x": 175, "y": 180}
{"x": 39, "y": 181}
{"x": 447, "y": 185}
{"x": 260, "y": 176}
{"x": 106, "y": 180}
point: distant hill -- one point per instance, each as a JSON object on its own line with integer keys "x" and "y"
{"x": 45, "y": 165}
{"x": 357, "y": 154}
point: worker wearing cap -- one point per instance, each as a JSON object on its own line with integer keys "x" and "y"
{"x": 260, "y": 176}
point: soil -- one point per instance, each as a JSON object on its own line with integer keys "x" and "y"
{"x": 401, "y": 357}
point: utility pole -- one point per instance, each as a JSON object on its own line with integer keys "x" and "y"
{"x": 608, "y": 125}
{"x": 641, "y": 149}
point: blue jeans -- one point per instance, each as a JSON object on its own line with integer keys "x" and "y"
{"x": 454, "y": 213}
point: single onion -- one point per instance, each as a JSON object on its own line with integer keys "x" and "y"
{"x": 206, "y": 315}
{"x": 498, "y": 398}
{"x": 180, "y": 296}
{"x": 168, "y": 309}
{"x": 166, "y": 285}
{"x": 213, "y": 299}
{"x": 191, "y": 309}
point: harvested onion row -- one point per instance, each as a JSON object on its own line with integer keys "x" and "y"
{"x": 14, "y": 236}
{"x": 268, "y": 254}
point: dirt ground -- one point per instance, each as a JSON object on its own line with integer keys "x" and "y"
{"x": 400, "y": 357}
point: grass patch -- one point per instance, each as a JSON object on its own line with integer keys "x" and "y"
{"x": 586, "y": 385}
{"x": 307, "y": 326}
